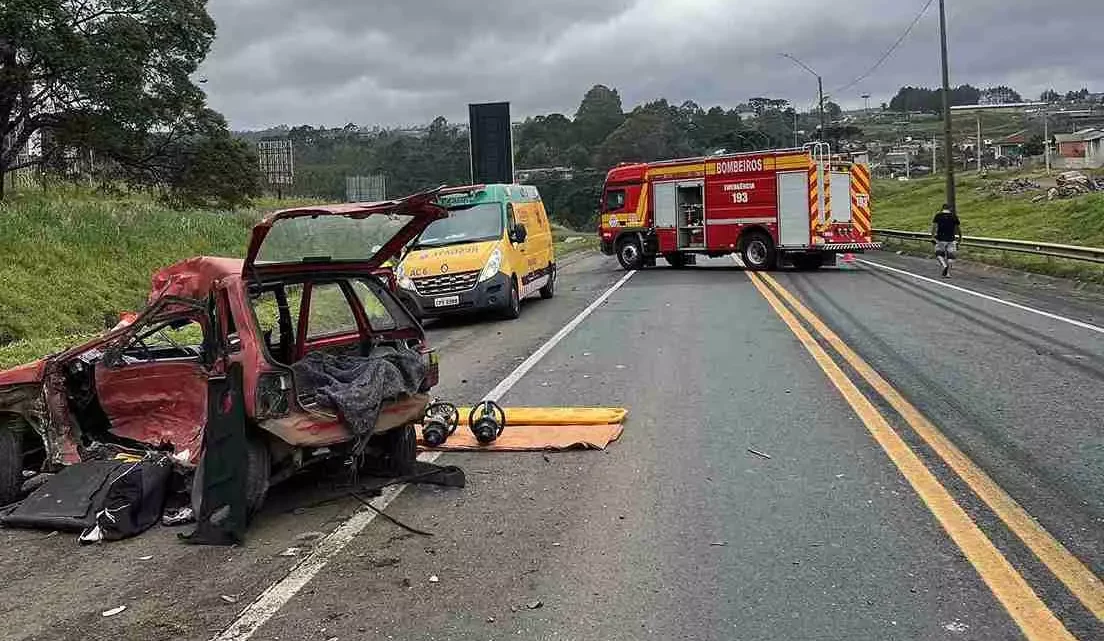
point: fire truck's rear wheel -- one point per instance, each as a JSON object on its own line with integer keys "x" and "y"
{"x": 678, "y": 260}
{"x": 629, "y": 254}
{"x": 808, "y": 262}
{"x": 757, "y": 250}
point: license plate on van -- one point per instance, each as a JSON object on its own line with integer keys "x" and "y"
{"x": 446, "y": 301}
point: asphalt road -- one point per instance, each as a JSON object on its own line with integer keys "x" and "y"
{"x": 677, "y": 531}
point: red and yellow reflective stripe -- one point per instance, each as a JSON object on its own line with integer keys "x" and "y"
{"x": 860, "y": 200}
{"x": 814, "y": 198}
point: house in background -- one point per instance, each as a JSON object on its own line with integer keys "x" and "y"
{"x": 1082, "y": 149}
{"x": 1010, "y": 146}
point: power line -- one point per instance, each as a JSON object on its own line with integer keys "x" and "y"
{"x": 889, "y": 52}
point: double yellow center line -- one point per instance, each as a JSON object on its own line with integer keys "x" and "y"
{"x": 1034, "y": 618}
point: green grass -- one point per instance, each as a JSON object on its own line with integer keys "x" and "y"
{"x": 583, "y": 240}
{"x": 984, "y": 211}
{"x": 71, "y": 257}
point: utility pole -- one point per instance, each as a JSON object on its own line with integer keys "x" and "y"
{"x": 948, "y": 153}
{"x": 820, "y": 89}
{"x": 934, "y": 164}
{"x": 1046, "y": 138}
{"x": 979, "y": 151}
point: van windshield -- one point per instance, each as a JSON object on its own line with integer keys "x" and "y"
{"x": 464, "y": 225}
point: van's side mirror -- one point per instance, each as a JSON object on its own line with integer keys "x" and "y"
{"x": 518, "y": 233}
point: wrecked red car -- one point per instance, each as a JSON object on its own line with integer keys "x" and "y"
{"x": 311, "y": 287}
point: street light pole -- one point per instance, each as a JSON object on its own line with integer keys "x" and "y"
{"x": 948, "y": 152}
{"x": 820, "y": 92}
{"x": 820, "y": 89}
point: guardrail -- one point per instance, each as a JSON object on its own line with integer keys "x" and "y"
{"x": 1052, "y": 250}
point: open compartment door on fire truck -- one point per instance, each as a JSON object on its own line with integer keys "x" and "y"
{"x": 691, "y": 215}
{"x": 793, "y": 209}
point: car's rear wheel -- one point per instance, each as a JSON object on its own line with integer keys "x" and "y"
{"x": 258, "y": 469}
{"x": 398, "y": 452}
{"x": 11, "y": 464}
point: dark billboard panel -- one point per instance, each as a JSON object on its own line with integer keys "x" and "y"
{"x": 492, "y": 145}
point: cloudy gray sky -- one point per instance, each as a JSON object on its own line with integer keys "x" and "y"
{"x": 393, "y": 62}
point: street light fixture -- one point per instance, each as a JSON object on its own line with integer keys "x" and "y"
{"x": 820, "y": 88}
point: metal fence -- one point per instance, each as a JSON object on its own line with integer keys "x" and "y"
{"x": 1050, "y": 250}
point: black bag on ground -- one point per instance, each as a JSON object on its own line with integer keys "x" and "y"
{"x": 133, "y": 502}
{"x": 107, "y": 500}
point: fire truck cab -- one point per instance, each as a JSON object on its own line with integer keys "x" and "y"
{"x": 789, "y": 207}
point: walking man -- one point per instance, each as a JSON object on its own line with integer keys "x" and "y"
{"x": 946, "y": 232}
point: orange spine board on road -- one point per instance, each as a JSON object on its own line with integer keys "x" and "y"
{"x": 559, "y": 415}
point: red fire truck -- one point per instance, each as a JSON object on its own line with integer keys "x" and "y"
{"x": 789, "y": 207}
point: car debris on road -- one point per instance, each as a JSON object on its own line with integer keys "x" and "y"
{"x": 153, "y": 391}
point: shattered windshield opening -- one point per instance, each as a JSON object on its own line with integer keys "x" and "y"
{"x": 464, "y": 225}
{"x": 329, "y": 238}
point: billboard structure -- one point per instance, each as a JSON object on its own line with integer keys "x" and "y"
{"x": 366, "y": 189}
{"x": 276, "y": 163}
{"x": 492, "y": 144}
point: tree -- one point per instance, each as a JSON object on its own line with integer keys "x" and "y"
{"x": 1034, "y": 146}
{"x": 598, "y": 115}
{"x": 214, "y": 170}
{"x": 70, "y": 64}
{"x": 1049, "y": 96}
{"x": 931, "y": 100}
{"x": 1000, "y": 95}
{"x": 1076, "y": 96}
{"x": 646, "y": 135}
{"x": 833, "y": 111}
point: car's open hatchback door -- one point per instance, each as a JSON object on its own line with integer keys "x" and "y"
{"x": 345, "y": 236}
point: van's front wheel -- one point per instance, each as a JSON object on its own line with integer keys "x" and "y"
{"x": 513, "y": 306}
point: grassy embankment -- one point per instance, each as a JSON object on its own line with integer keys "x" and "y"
{"x": 910, "y": 206}
{"x": 69, "y": 258}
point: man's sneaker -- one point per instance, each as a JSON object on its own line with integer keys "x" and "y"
{"x": 946, "y": 271}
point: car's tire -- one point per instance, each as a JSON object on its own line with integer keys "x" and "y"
{"x": 549, "y": 289}
{"x": 758, "y": 252}
{"x": 513, "y": 305}
{"x": 399, "y": 452}
{"x": 11, "y": 464}
{"x": 629, "y": 253}
{"x": 808, "y": 262}
{"x": 258, "y": 470}
{"x": 678, "y": 260}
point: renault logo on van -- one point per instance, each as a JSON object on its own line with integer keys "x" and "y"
{"x": 444, "y": 267}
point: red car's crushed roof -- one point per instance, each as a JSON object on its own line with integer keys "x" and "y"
{"x": 193, "y": 277}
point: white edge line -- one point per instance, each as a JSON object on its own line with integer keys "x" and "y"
{"x": 987, "y": 297}
{"x": 500, "y": 390}
{"x": 278, "y": 594}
